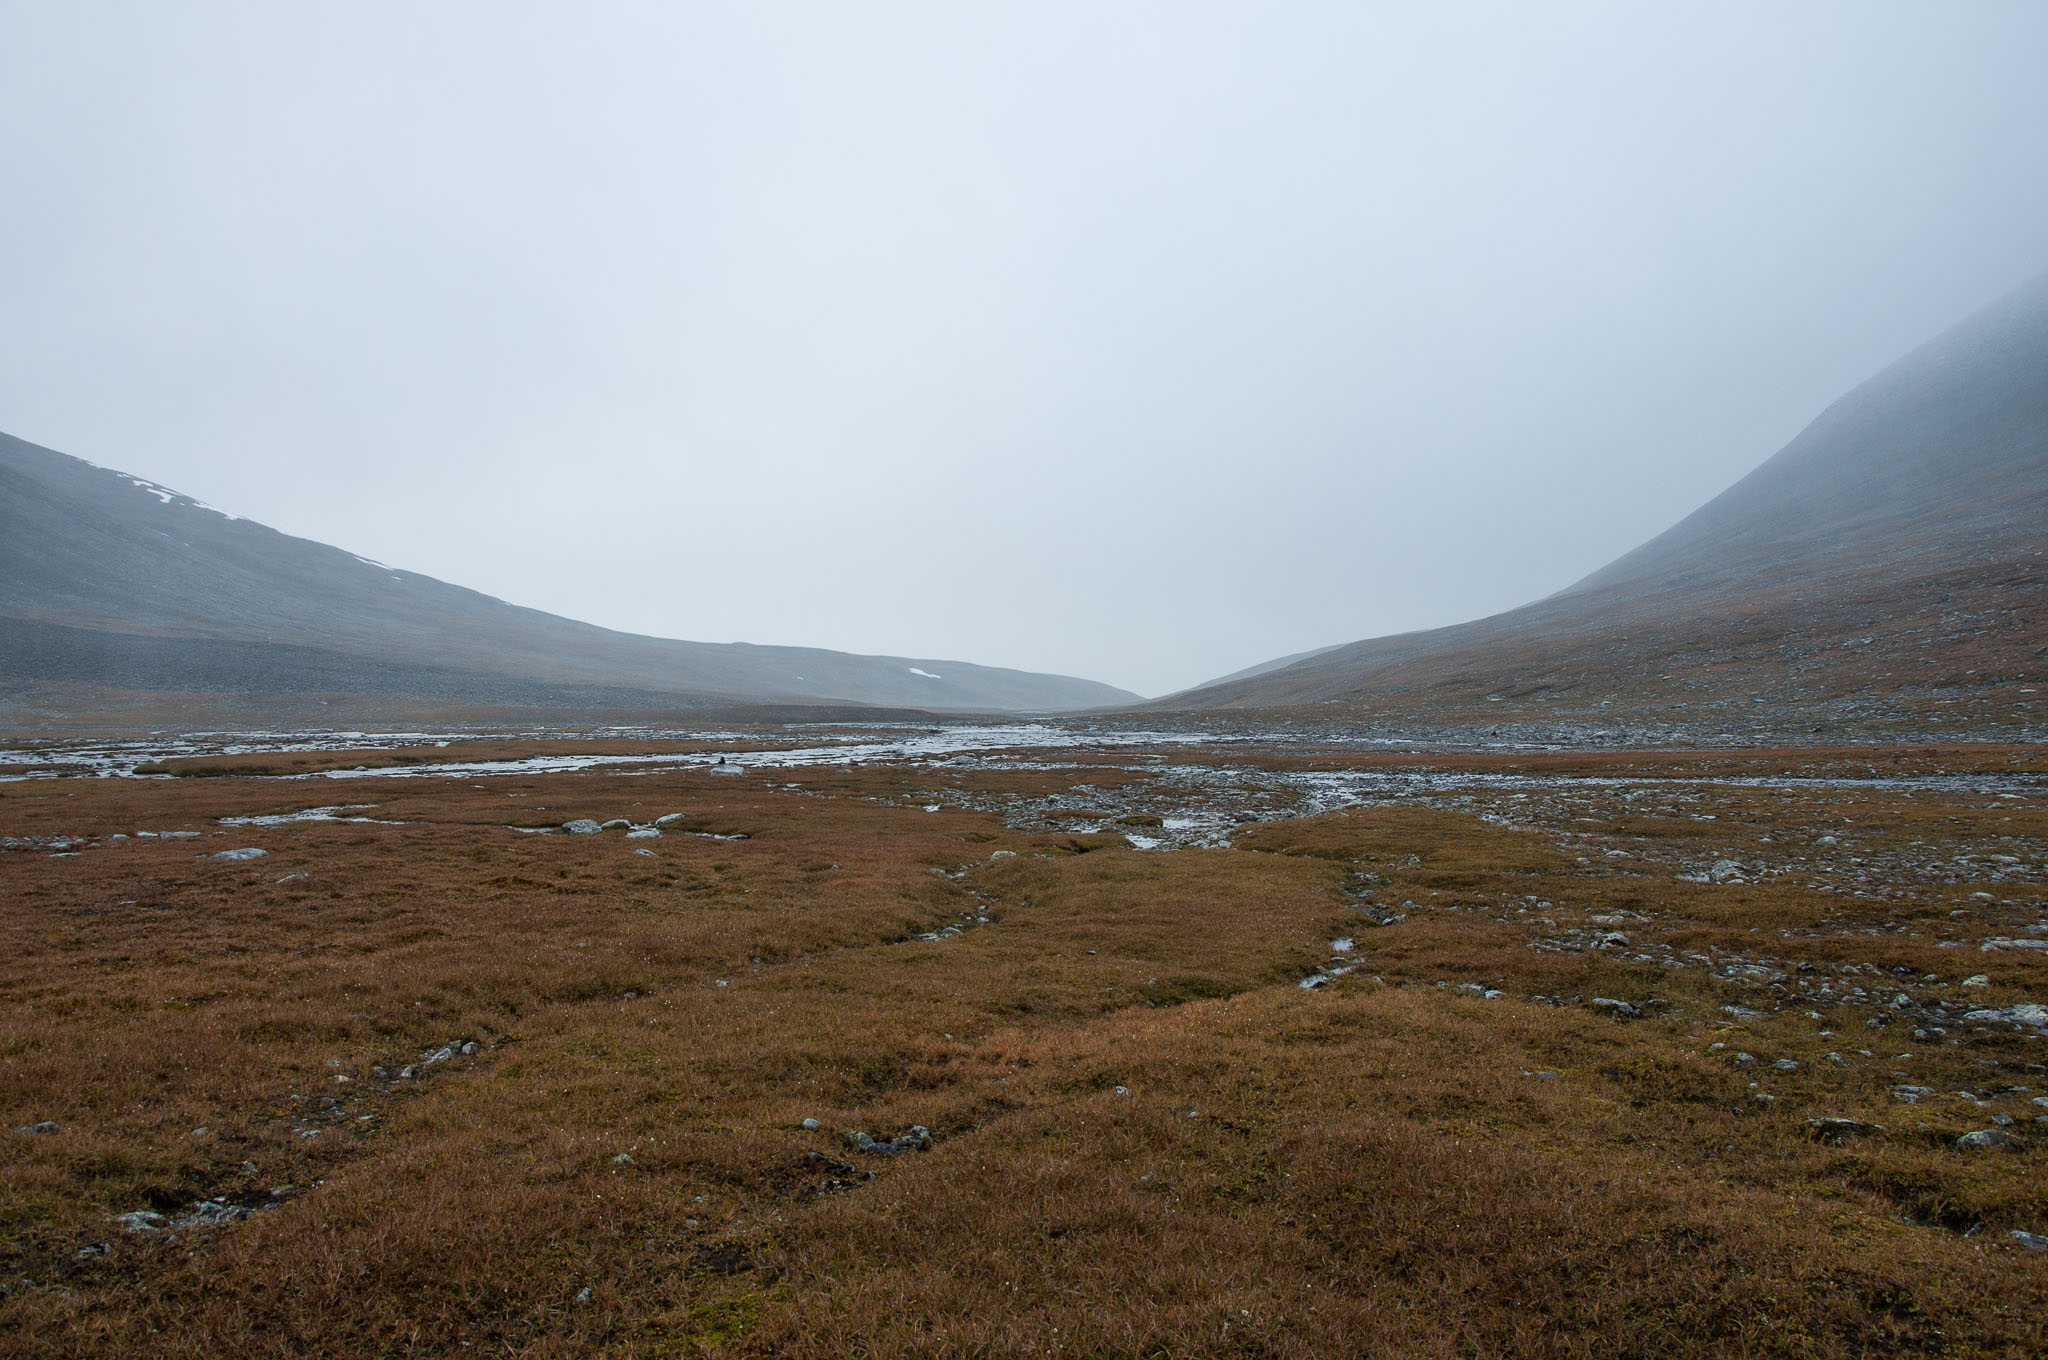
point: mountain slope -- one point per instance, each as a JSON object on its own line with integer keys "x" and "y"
{"x": 1885, "y": 568}
{"x": 107, "y": 580}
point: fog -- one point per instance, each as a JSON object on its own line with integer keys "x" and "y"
{"x": 1135, "y": 341}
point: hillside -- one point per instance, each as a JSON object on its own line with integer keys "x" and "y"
{"x": 117, "y": 593}
{"x": 1884, "y": 570}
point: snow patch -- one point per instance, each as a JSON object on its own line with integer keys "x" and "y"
{"x": 926, "y": 674}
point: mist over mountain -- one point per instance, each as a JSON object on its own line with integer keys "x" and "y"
{"x": 1886, "y": 567}
{"x": 117, "y": 593}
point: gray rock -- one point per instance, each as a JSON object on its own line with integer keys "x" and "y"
{"x": 1911, "y": 1094}
{"x": 36, "y": 1130}
{"x": 623, "y": 1159}
{"x": 2016, "y": 1015}
{"x": 584, "y": 1294}
{"x": 1832, "y": 1128}
{"x": 1610, "y": 1005}
{"x": 1745, "y": 1060}
{"x": 1726, "y": 871}
{"x": 1977, "y": 980}
{"x": 2031, "y": 1241}
{"x": 246, "y": 852}
{"x": 208, "y": 1211}
{"x": 1985, "y": 1138}
{"x": 1786, "y": 1065}
{"x": 142, "y": 1221}
{"x": 582, "y": 826}
{"x": 917, "y": 1138}
{"x": 668, "y": 819}
{"x": 1612, "y": 939}
{"x": 644, "y": 833}
{"x": 812, "y": 1125}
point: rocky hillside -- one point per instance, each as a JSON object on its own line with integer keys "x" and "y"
{"x": 117, "y": 592}
{"x": 1884, "y": 570}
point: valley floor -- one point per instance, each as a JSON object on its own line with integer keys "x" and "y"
{"x": 1028, "y": 1040}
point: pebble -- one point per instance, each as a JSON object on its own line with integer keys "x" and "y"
{"x": 812, "y": 1125}
{"x": 246, "y": 852}
{"x": 35, "y": 1130}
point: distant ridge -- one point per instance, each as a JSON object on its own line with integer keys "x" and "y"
{"x": 1884, "y": 570}
{"x": 118, "y": 593}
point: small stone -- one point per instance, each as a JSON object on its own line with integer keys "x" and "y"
{"x": 623, "y": 1159}
{"x": 142, "y": 1221}
{"x": 1833, "y": 1128}
{"x": 37, "y": 1130}
{"x": 2031, "y": 1241}
{"x": 1745, "y": 1059}
{"x": 1612, "y": 1006}
{"x": 1786, "y": 1065}
{"x": 1726, "y": 871}
{"x": 247, "y": 852}
{"x": 584, "y": 1294}
{"x": 582, "y": 826}
{"x": 1985, "y": 1138}
{"x": 1977, "y": 980}
{"x": 812, "y": 1125}
{"x": 643, "y": 833}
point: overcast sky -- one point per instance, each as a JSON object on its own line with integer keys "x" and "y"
{"x": 1135, "y": 341}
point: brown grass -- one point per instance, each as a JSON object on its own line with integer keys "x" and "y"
{"x": 1149, "y": 1140}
